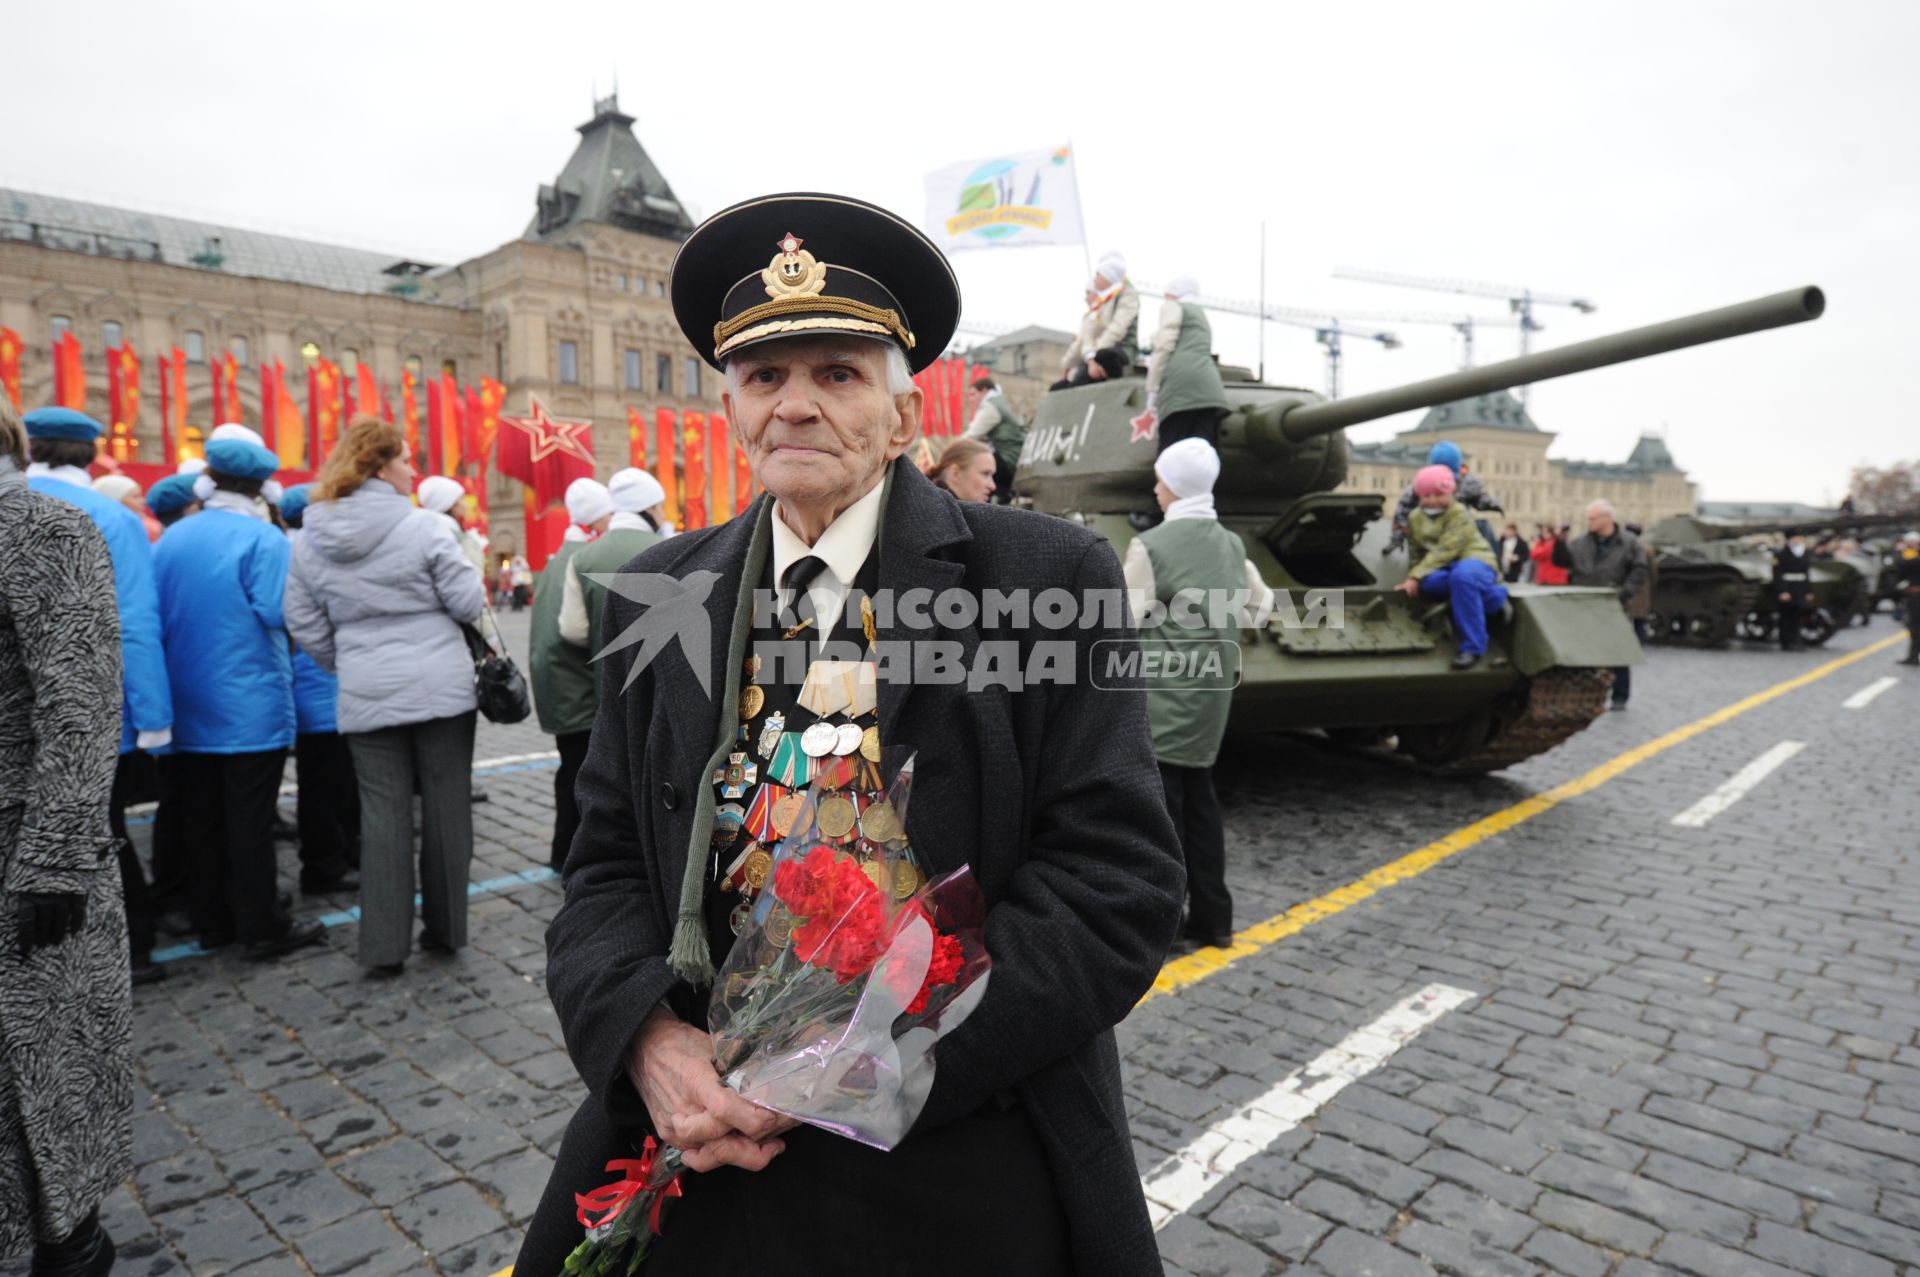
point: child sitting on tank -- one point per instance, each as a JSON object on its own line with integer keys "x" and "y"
{"x": 1467, "y": 491}
{"x": 1451, "y": 561}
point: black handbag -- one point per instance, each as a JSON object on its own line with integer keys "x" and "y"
{"x": 498, "y": 684}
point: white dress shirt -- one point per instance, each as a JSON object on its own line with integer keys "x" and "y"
{"x": 843, "y": 547}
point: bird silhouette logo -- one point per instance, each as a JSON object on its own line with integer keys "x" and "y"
{"x": 676, "y": 608}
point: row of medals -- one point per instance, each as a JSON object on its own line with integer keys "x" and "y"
{"x": 842, "y": 757}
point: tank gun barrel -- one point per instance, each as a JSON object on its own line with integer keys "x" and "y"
{"x": 1795, "y": 306}
{"x": 1732, "y": 529}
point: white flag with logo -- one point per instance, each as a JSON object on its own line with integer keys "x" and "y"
{"x": 1027, "y": 200}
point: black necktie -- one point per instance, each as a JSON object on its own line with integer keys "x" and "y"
{"x": 795, "y": 580}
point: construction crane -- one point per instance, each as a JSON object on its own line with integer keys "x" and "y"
{"x": 1329, "y": 328}
{"x": 1464, "y": 324}
{"x": 1520, "y": 300}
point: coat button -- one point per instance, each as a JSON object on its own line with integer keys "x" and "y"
{"x": 669, "y": 796}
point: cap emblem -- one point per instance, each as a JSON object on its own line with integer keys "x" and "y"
{"x": 794, "y": 272}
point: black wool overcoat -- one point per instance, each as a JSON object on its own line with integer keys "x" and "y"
{"x": 1050, "y": 792}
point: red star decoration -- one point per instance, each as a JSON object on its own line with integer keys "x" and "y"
{"x": 1142, "y": 431}
{"x": 551, "y": 435}
{"x": 791, "y": 244}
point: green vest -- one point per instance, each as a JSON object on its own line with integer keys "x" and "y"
{"x": 1009, "y": 433}
{"x": 1189, "y": 693}
{"x": 1191, "y": 378}
{"x": 563, "y": 696}
{"x": 609, "y": 554}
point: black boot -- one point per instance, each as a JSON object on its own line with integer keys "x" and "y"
{"x": 87, "y": 1252}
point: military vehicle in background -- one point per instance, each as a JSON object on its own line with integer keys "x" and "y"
{"x": 1379, "y": 670}
{"x": 1713, "y": 580}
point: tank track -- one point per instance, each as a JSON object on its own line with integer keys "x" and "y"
{"x": 1546, "y": 710}
{"x": 1701, "y": 614}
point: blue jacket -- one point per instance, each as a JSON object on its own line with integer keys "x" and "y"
{"x": 146, "y": 701}
{"x": 316, "y": 694}
{"x": 221, "y": 577}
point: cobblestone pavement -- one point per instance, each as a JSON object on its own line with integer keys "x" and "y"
{"x": 1680, "y": 1049}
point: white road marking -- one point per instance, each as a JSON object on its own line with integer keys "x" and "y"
{"x": 539, "y": 756}
{"x": 1735, "y": 789}
{"x": 1864, "y": 697}
{"x": 1183, "y": 1179}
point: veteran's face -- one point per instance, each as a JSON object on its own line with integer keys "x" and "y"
{"x": 816, "y": 420}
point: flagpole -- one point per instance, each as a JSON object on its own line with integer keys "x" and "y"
{"x": 1263, "y": 300}
{"x": 1086, "y": 252}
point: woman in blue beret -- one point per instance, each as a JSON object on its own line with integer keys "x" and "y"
{"x": 222, "y": 575}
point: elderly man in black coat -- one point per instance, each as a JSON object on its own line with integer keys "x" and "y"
{"x": 1021, "y": 1160}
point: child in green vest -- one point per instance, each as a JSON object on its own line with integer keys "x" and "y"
{"x": 1451, "y": 561}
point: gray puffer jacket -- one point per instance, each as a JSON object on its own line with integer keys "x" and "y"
{"x": 375, "y": 593}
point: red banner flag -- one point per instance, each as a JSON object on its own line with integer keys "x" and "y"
{"x": 10, "y": 348}
{"x": 546, "y": 454}
{"x": 123, "y": 401}
{"x": 173, "y": 406}
{"x": 719, "y": 509}
{"x": 453, "y": 416}
{"x": 472, "y": 412}
{"x": 693, "y": 441}
{"x": 436, "y": 413}
{"x": 486, "y": 422}
{"x": 386, "y": 406}
{"x": 636, "y": 439}
{"x": 282, "y": 429}
{"x": 269, "y": 417}
{"x": 742, "y": 480}
{"x": 663, "y": 436}
{"x": 226, "y": 390}
{"x": 366, "y": 392}
{"x": 323, "y": 408}
{"x": 69, "y": 373}
{"x": 410, "y": 408}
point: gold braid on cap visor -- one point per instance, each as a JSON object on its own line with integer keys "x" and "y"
{"x": 765, "y": 319}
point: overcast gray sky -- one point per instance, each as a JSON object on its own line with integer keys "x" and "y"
{"x": 1660, "y": 158}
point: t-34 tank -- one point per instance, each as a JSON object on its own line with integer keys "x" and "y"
{"x": 1344, "y": 651}
{"x": 1714, "y": 580}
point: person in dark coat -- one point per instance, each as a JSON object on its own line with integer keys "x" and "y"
{"x": 1513, "y": 552}
{"x": 1907, "y": 564}
{"x": 1020, "y": 1161}
{"x": 1608, "y": 555}
{"x": 66, "y": 1062}
{"x": 1792, "y": 588}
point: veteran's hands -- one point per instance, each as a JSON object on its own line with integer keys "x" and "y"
{"x": 671, "y": 1064}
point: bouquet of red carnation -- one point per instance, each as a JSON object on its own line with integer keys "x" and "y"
{"x": 852, "y": 965}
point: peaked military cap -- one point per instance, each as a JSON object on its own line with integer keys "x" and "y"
{"x": 808, "y": 265}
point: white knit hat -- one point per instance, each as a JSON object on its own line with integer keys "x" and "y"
{"x": 588, "y": 502}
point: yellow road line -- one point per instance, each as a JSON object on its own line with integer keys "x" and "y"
{"x": 1194, "y": 967}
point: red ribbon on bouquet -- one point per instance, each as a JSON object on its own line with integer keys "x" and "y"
{"x": 610, "y": 1199}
